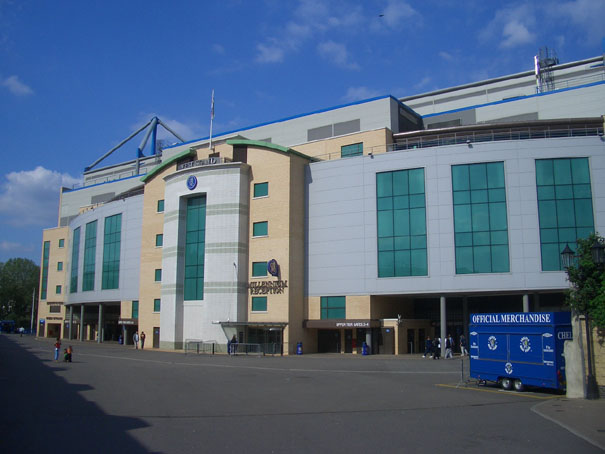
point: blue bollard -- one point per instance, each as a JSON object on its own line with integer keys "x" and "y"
{"x": 364, "y": 349}
{"x": 299, "y": 348}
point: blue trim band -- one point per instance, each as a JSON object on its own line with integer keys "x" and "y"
{"x": 503, "y": 101}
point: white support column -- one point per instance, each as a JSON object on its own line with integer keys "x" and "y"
{"x": 71, "y": 321}
{"x": 465, "y": 317}
{"x": 525, "y": 302}
{"x": 100, "y": 325}
{"x": 443, "y": 321}
{"x": 82, "y": 322}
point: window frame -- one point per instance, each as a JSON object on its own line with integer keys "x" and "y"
{"x": 158, "y": 275}
{"x": 262, "y": 300}
{"x": 260, "y": 224}
{"x": 259, "y": 185}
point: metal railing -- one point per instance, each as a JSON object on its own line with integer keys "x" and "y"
{"x": 213, "y": 348}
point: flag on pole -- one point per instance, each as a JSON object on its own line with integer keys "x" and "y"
{"x": 212, "y": 107}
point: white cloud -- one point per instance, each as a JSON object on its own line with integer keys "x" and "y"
{"x": 8, "y": 246}
{"x": 511, "y": 26}
{"x": 586, "y": 15}
{"x": 218, "y": 49}
{"x": 31, "y": 197}
{"x": 516, "y": 34}
{"x": 15, "y": 86}
{"x": 423, "y": 83}
{"x": 446, "y": 55}
{"x": 396, "y": 12}
{"x": 360, "y": 93}
{"x": 336, "y": 53}
{"x": 269, "y": 53}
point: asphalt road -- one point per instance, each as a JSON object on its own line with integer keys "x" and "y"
{"x": 115, "y": 399}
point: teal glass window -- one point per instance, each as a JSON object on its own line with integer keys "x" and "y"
{"x": 195, "y": 246}
{"x": 333, "y": 307}
{"x": 157, "y": 302}
{"x": 480, "y": 218}
{"x": 159, "y": 240}
{"x": 90, "y": 250}
{"x": 259, "y": 304}
{"x": 261, "y": 189}
{"x": 135, "y": 309}
{"x": 160, "y": 208}
{"x": 401, "y": 223}
{"x": 61, "y": 243}
{"x": 565, "y": 209}
{"x": 259, "y": 269}
{"x": 158, "y": 275}
{"x": 348, "y": 151}
{"x": 45, "y": 260}
{"x": 75, "y": 258}
{"x": 59, "y": 266}
{"x": 111, "y": 252}
{"x": 58, "y": 289}
{"x": 260, "y": 228}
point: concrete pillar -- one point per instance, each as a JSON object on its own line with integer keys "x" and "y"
{"x": 536, "y": 302}
{"x": 525, "y": 302}
{"x": 71, "y": 321}
{"x": 82, "y": 322}
{"x": 465, "y": 318}
{"x": 369, "y": 340}
{"x": 100, "y": 325}
{"x": 443, "y": 321}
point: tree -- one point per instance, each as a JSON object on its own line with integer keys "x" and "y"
{"x": 18, "y": 281}
{"x": 587, "y": 293}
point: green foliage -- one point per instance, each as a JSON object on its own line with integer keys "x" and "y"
{"x": 587, "y": 293}
{"x": 18, "y": 281}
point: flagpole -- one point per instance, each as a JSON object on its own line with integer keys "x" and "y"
{"x": 211, "y": 118}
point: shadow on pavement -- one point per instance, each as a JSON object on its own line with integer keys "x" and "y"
{"x": 41, "y": 412}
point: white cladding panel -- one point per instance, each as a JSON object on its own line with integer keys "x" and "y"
{"x": 342, "y": 245}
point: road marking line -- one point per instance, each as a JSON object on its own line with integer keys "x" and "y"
{"x": 501, "y": 392}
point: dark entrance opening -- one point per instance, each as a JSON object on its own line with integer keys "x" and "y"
{"x": 156, "y": 337}
{"x": 328, "y": 341}
{"x": 348, "y": 341}
{"x": 386, "y": 345}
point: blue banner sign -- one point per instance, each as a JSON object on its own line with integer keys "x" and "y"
{"x": 521, "y": 318}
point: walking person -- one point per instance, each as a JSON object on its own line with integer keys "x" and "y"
{"x": 449, "y": 347}
{"x": 57, "y": 349}
{"x": 233, "y": 345}
{"x": 142, "y": 340}
{"x": 437, "y": 348}
{"x": 69, "y": 352}
{"x": 135, "y": 340}
{"x": 428, "y": 347}
{"x": 463, "y": 350}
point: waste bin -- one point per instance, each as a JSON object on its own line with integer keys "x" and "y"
{"x": 364, "y": 349}
{"x": 299, "y": 348}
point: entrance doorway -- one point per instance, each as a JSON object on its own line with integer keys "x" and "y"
{"x": 387, "y": 341}
{"x": 328, "y": 341}
{"x": 156, "y": 337}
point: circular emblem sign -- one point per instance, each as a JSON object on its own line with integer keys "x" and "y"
{"x": 273, "y": 267}
{"x": 492, "y": 343}
{"x": 508, "y": 368}
{"x": 524, "y": 345}
{"x": 191, "y": 182}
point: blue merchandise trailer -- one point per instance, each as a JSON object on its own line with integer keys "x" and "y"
{"x": 517, "y": 349}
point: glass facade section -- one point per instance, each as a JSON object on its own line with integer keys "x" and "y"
{"x": 75, "y": 258}
{"x": 111, "y": 252}
{"x": 261, "y": 190}
{"x": 157, "y": 302}
{"x": 160, "y": 206}
{"x": 348, "y": 151}
{"x": 401, "y": 223}
{"x": 564, "y": 206}
{"x": 45, "y": 260}
{"x": 259, "y": 269}
{"x": 195, "y": 246}
{"x": 135, "y": 309}
{"x": 90, "y": 250}
{"x": 260, "y": 228}
{"x": 333, "y": 307}
{"x": 480, "y": 218}
{"x": 259, "y": 304}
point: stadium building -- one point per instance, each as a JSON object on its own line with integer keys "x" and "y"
{"x": 382, "y": 222}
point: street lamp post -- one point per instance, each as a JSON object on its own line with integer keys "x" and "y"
{"x": 598, "y": 256}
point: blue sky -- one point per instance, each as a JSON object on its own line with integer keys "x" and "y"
{"x": 77, "y": 77}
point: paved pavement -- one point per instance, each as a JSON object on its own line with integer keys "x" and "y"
{"x": 117, "y": 399}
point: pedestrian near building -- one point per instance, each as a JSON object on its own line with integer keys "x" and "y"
{"x": 69, "y": 353}
{"x": 428, "y": 347}
{"x": 463, "y": 350}
{"x": 449, "y": 347}
{"x": 233, "y": 345}
{"x": 142, "y": 340}
{"x": 135, "y": 340}
{"x": 437, "y": 348}
{"x": 57, "y": 349}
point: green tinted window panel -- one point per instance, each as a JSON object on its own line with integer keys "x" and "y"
{"x": 401, "y": 222}
{"x": 111, "y": 252}
{"x": 565, "y": 206}
{"x": 157, "y": 304}
{"x": 259, "y": 269}
{"x": 90, "y": 250}
{"x": 259, "y": 304}
{"x": 159, "y": 240}
{"x": 261, "y": 189}
{"x": 135, "y": 309}
{"x": 75, "y": 256}
{"x": 58, "y": 289}
{"x": 158, "y": 275}
{"x": 195, "y": 248}
{"x": 61, "y": 243}
{"x": 45, "y": 262}
{"x": 260, "y": 228}
{"x": 59, "y": 266}
{"x": 348, "y": 151}
{"x": 160, "y": 208}
{"x": 333, "y": 307}
{"x": 480, "y": 218}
